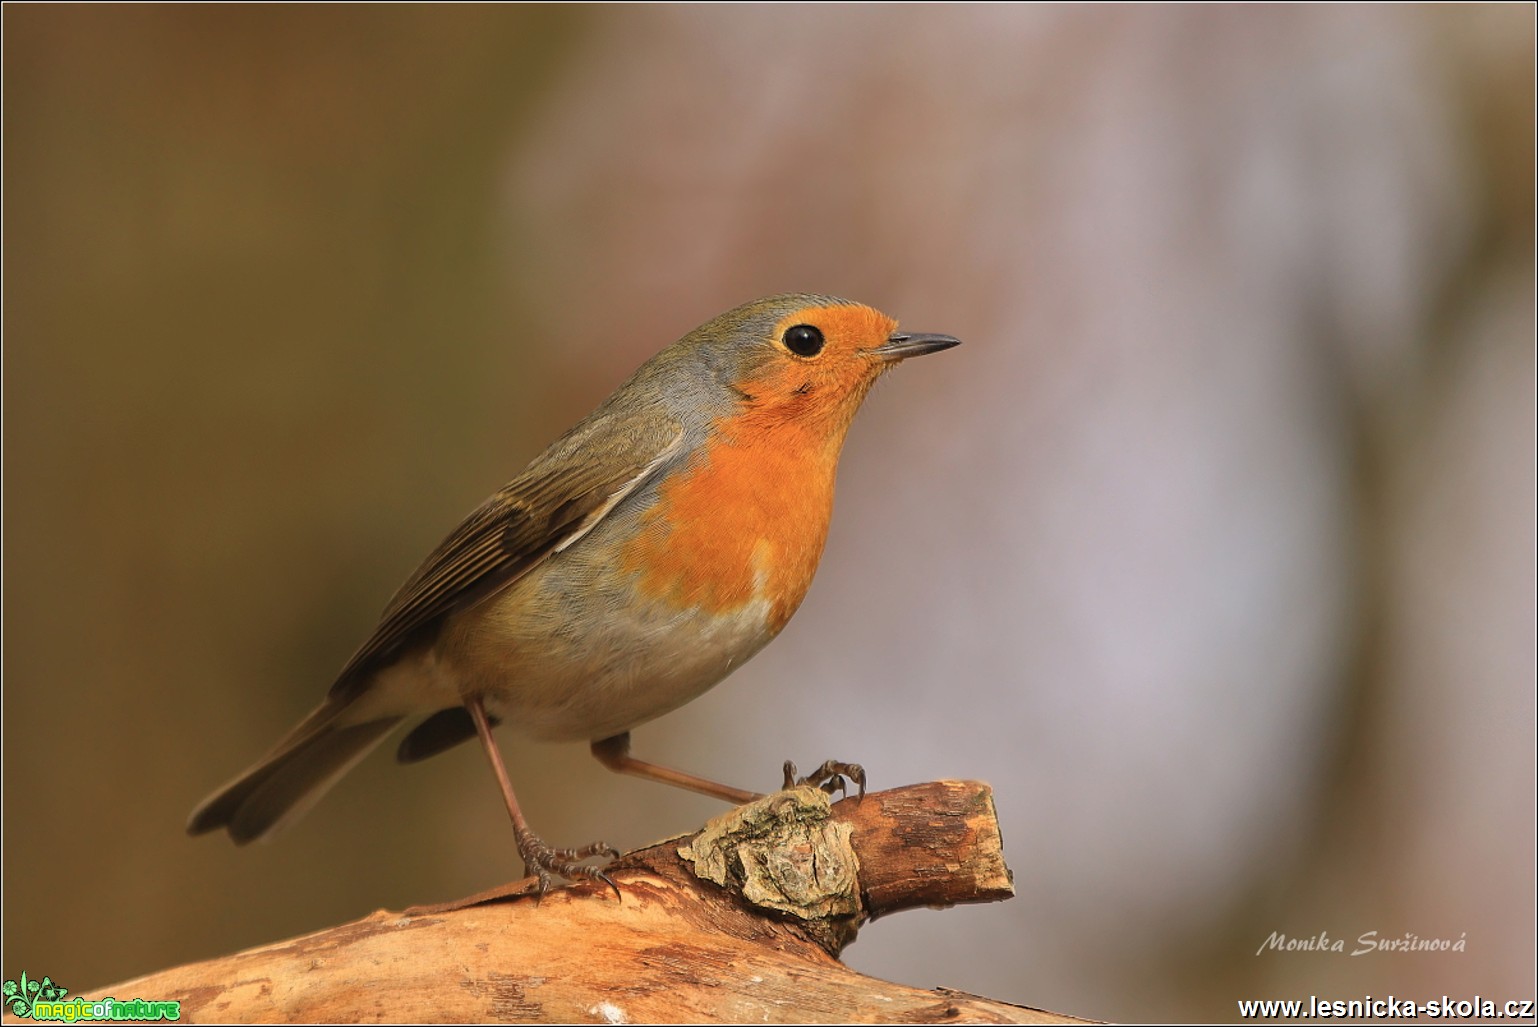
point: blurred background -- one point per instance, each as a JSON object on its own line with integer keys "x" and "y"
{"x": 1212, "y": 549}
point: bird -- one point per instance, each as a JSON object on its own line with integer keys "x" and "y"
{"x": 635, "y": 563}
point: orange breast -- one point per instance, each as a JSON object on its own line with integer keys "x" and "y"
{"x": 746, "y": 523}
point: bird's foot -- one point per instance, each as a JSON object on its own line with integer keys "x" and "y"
{"x": 541, "y": 861}
{"x": 830, "y": 777}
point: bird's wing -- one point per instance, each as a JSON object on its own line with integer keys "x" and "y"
{"x": 547, "y": 508}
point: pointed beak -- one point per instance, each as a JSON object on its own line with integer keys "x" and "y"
{"x": 902, "y": 345}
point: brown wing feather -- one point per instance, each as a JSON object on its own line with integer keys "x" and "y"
{"x": 556, "y": 500}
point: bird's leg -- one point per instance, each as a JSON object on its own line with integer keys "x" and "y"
{"x": 538, "y": 858}
{"x": 829, "y": 777}
{"x": 614, "y": 753}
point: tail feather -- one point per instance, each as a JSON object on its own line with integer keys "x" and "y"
{"x": 439, "y": 733}
{"x": 291, "y": 779}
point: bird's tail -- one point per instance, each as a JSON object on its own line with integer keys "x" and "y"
{"x": 290, "y": 779}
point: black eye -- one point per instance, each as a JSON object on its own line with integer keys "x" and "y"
{"x": 804, "y": 340}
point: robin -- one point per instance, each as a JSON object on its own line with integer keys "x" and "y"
{"x": 643, "y": 557}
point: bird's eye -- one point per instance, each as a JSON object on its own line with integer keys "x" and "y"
{"x": 804, "y": 340}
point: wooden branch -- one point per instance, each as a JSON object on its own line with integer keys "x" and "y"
{"x": 741, "y": 921}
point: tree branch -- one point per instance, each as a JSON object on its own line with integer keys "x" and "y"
{"x": 740, "y": 921}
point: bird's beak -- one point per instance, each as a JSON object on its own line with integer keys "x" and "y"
{"x": 902, "y": 345}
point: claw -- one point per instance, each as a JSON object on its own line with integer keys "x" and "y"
{"x": 829, "y": 777}
{"x": 542, "y": 861}
{"x": 599, "y": 875}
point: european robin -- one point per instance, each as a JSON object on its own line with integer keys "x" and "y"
{"x": 644, "y": 556}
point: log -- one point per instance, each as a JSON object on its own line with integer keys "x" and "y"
{"x": 742, "y": 920}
